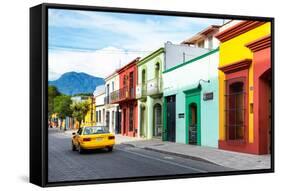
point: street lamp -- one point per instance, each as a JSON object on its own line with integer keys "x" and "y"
{"x": 201, "y": 80}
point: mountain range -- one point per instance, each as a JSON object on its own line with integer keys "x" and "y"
{"x": 72, "y": 83}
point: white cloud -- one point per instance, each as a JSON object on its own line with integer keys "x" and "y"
{"x": 100, "y": 63}
{"x": 146, "y": 34}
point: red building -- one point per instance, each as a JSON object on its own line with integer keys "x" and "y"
{"x": 245, "y": 87}
{"x": 126, "y": 98}
{"x": 261, "y": 49}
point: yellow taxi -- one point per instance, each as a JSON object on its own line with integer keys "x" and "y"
{"x": 96, "y": 137}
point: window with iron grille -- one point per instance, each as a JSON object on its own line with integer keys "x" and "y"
{"x": 235, "y": 109}
{"x": 97, "y": 116}
{"x": 131, "y": 84}
{"x": 131, "y": 118}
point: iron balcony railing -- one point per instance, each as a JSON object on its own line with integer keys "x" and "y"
{"x": 141, "y": 90}
{"x": 154, "y": 86}
{"x": 122, "y": 94}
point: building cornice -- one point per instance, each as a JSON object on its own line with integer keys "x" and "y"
{"x": 236, "y": 66}
{"x": 112, "y": 75}
{"x": 260, "y": 43}
{"x": 192, "y": 60}
{"x": 130, "y": 64}
{"x": 237, "y": 30}
{"x": 151, "y": 56}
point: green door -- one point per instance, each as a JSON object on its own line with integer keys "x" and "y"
{"x": 193, "y": 118}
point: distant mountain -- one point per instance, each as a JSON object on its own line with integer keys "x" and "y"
{"x": 72, "y": 83}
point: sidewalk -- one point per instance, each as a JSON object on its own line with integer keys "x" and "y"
{"x": 234, "y": 160}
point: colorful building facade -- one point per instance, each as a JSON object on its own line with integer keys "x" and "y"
{"x": 113, "y": 115}
{"x": 99, "y": 95}
{"x": 205, "y": 38}
{"x": 244, "y": 87}
{"x": 149, "y": 94}
{"x": 125, "y": 96}
{"x": 90, "y": 118}
{"x": 191, "y": 101}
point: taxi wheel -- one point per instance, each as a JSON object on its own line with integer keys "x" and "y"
{"x": 80, "y": 150}
{"x": 73, "y": 147}
{"x": 109, "y": 149}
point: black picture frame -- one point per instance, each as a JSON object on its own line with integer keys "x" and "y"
{"x": 39, "y": 84}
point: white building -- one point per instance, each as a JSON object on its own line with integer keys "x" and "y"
{"x": 205, "y": 38}
{"x": 113, "y": 115}
{"x": 179, "y": 53}
{"x": 99, "y": 95}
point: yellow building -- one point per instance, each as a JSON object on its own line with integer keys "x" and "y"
{"x": 90, "y": 118}
{"x": 241, "y": 75}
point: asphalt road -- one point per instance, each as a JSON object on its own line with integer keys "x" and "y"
{"x": 125, "y": 161}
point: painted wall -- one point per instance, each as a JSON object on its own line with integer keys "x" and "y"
{"x": 113, "y": 82}
{"x": 113, "y": 79}
{"x": 179, "y": 53}
{"x": 231, "y": 51}
{"x": 125, "y": 104}
{"x": 148, "y": 64}
{"x": 100, "y": 107}
{"x": 187, "y": 76}
{"x": 90, "y": 118}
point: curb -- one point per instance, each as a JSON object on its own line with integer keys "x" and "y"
{"x": 173, "y": 153}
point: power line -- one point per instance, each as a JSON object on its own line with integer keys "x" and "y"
{"x": 126, "y": 51}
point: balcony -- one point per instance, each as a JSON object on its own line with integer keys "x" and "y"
{"x": 141, "y": 91}
{"x": 154, "y": 86}
{"x": 122, "y": 94}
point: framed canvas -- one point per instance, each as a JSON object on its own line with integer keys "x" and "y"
{"x": 119, "y": 95}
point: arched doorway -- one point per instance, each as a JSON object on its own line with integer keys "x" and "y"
{"x": 157, "y": 123}
{"x": 142, "y": 121}
{"x": 193, "y": 116}
{"x": 193, "y": 119}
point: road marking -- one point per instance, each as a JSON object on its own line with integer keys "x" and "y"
{"x": 168, "y": 157}
{"x": 164, "y": 161}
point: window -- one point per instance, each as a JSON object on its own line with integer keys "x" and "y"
{"x": 79, "y": 132}
{"x": 107, "y": 118}
{"x": 143, "y": 76}
{"x": 235, "y": 109}
{"x": 201, "y": 44}
{"x": 103, "y": 115}
{"x": 124, "y": 80}
{"x": 112, "y": 119}
{"x": 131, "y": 84}
{"x": 131, "y": 118}
{"x": 112, "y": 86}
{"x": 95, "y": 130}
{"x": 157, "y": 70}
{"x": 210, "y": 42}
{"x": 99, "y": 115}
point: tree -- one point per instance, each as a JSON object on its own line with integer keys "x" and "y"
{"x": 79, "y": 110}
{"x": 62, "y": 106}
{"x": 52, "y": 93}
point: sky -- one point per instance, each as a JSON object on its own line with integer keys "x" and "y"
{"x": 98, "y": 43}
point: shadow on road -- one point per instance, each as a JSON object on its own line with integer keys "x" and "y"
{"x": 95, "y": 151}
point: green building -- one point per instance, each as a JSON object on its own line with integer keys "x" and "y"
{"x": 190, "y": 110}
{"x": 149, "y": 94}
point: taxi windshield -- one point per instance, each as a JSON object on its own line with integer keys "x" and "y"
{"x": 95, "y": 130}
